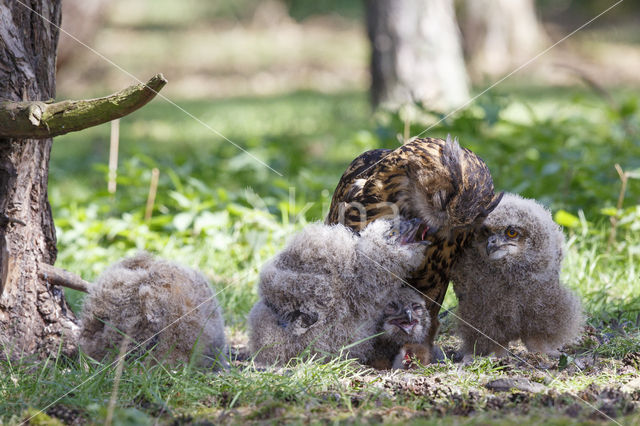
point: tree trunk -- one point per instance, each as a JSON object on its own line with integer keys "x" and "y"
{"x": 499, "y": 35}
{"x": 416, "y": 53}
{"x": 34, "y": 316}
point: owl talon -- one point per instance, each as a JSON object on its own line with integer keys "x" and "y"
{"x": 412, "y": 355}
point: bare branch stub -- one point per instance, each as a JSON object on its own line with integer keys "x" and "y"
{"x": 41, "y": 120}
{"x": 61, "y": 277}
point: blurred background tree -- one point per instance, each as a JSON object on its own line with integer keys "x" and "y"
{"x": 499, "y": 35}
{"x": 83, "y": 20}
{"x": 416, "y": 54}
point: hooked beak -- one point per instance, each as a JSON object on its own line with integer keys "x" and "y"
{"x": 409, "y": 314}
{"x": 421, "y": 232}
{"x": 492, "y": 246}
{"x": 430, "y": 230}
{"x": 497, "y": 248}
{"x": 407, "y": 323}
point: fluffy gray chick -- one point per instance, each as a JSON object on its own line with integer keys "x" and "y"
{"x": 508, "y": 283}
{"x": 160, "y": 305}
{"x": 327, "y": 289}
{"x": 404, "y": 321}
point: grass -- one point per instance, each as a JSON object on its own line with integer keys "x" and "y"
{"x": 220, "y": 211}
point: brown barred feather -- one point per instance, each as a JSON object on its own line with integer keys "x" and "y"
{"x": 436, "y": 180}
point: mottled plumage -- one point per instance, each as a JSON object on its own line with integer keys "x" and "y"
{"x": 327, "y": 289}
{"x": 437, "y": 181}
{"x": 160, "y": 305}
{"x": 508, "y": 283}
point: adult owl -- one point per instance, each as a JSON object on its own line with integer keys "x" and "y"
{"x": 447, "y": 187}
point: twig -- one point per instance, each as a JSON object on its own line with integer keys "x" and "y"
{"x": 113, "y": 155}
{"x": 58, "y": 276}
{"x": 591, "y": 82}
{"x": 153, "y": 188}
{"x": 41, "y": 120}
{"x": 116, "y": 380}
{"x": 624, "y": 177}
{"x": 407, "y": 130}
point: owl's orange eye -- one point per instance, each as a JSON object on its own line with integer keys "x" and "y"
{"x": 511, "y": 233}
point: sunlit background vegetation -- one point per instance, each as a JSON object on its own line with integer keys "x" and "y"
{"x": 288, "y": 82}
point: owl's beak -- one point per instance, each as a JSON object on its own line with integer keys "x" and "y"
{"x": 409, "y": 314}
{"x": 493, "y": 244}
{"x": 427, "y": 231}
{"x": 497, "y": 247}
{"x": 407, "y": 323}
{"x": 418, "y": 232}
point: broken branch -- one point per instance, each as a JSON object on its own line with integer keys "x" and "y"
{"x": 41, "y": 120}
{"x": 61, "y": 277}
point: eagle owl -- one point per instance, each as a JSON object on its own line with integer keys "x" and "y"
{"x": 161, "y": 305}
{"x": 447, "y": 187}
{"x": 324, "y": 292}
{"x": 508, "y": 283}
{"x": 404, "y": 325}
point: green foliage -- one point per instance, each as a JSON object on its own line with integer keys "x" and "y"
{"x": 216, "y": 208}
{"x": 561, "y": 151}
{"x": 301, "y": 9}
{"x": 169, "y": 15}
{"x": 221, "y": 211}
{"x": 40, "y": 419}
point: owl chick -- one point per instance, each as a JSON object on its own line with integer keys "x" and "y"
{"x": 404, "y": 323}
{"x": 508, "y": 283}
{"x": 158, "y": 304}
{"x": 324, "y": 292}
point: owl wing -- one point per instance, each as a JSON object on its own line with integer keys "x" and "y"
{"x": 352, "y": 183}
{"x": 377, "y": 179}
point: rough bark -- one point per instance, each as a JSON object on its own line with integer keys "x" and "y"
{"x": 416, "y": 53}
{"x": 45, "y": 120}
{"x": 499, "y": 35}
{"x": 34, "y": 316}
